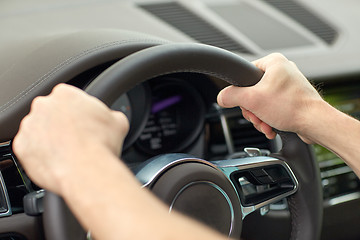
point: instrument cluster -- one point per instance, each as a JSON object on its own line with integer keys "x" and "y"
{"x": 166, "y": 115}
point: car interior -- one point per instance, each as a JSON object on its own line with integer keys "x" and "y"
{"x": 162, "y": 63}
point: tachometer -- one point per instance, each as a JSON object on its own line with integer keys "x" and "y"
{"x": 122, "y": 104}
{"x": 135, "y": 104}
{"x": 175, "y": 120}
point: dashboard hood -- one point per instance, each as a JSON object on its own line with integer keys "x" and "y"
{"x": 56, "y": 59}
{"x": 321, "y": 36}
{"x": 39, "y": 39}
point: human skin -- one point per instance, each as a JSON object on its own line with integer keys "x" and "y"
{"x": 285, "y": 100}
{"x": 70, "y": 142}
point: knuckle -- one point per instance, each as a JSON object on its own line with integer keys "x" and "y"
{"x": 24, "y": 122}
{"x": 64, "y": 91}
{"x": 278, "y": 60}
{"x": 278, "y": 57}
{"x": 123, "y": 123}
{"x": 60, "y": 87}
{"x": 38, "y": 102}
{"x": 19, "y": 140}
{"x": 254, "y": 98}
{"x": 293, "y": 64}
{"x": 25, "y": 125}
{"x": 16, "y": 145}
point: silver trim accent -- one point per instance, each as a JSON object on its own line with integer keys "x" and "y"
{"x": 217, "y": 188}
{"x": 4, "y": 156}
{"x": 7, "y": 200}
{"x": 4, "y": 152}
{"x": 231, "y": 165}
{"x": 5, "y": 144}
{"x": 154, "y": 168}
{"x": 252, "y": 152}
{"x": 226, "y": 130}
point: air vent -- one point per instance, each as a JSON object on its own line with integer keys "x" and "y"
{"x": 306, "y": 18}
{"x": 242, "y": 134}
{"x": 245, "y": 135}
{"x": 193, "y": 25}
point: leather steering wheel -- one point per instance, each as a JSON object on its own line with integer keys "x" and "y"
{"x": 295, "y": 162}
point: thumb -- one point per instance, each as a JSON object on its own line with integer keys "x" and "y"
{"x": 122, "y": 121}
{"x": 233, "y": 96}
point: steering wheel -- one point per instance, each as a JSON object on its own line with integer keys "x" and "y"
{"x": 232, "y": 188}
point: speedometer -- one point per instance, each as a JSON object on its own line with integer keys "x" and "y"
{"x": 175, "y": 120}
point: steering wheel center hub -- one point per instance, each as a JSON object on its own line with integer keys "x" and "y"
{"x": 206, "y": 202}
{"x": 201, "y": 191}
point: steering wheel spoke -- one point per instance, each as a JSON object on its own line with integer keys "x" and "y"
{"x": 250, "y": 183}
{"x": 259, "y": 181}
{"x": 220, "y": 194}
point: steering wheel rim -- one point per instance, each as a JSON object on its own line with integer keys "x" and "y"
{"x": 306, "y": 205}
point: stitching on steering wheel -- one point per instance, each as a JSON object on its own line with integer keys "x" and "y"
{"x": 294, "y": 219}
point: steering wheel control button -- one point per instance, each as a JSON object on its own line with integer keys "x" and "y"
{"x": 259, "y": 172}
{"x": 260, "y": 184}
{"x": 265, "y": 180}
{"x": 278, "y": 175}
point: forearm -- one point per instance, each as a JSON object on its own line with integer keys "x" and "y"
{"x": 335, "y": 131}
{"x": 79, "y": 162}
{"x": 131, "y": 212}
{"x": 285, "y": 100}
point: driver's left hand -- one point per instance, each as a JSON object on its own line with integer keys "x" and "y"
{"x": 62, "y": 126}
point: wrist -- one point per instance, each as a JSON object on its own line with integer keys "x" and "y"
{"x": 86, "y": 168}
{"x": 314, "y": 120}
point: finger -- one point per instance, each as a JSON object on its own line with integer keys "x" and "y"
{"x": 257, "y": 127}
{"x": 268, "y": 131}
{"x": 258, "y": 124}
{"x": 269, "y": 60}
{"x": 122, "y": 121}
{"x": 236, "y": 96}
{"x": 64, "y": 88}
{"x": 265, "y": 129}
{"x": 253, "y": 118}
{"x": 245, "y": 113}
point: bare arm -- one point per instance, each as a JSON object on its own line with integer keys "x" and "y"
{"x": 69, "y": 144}
{"x": 337, "y": 132}
{"x": 284, "y": 99}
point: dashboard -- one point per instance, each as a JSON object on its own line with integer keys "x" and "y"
{"x": 176, "y": 113}
{"x": 58, "y": 42}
